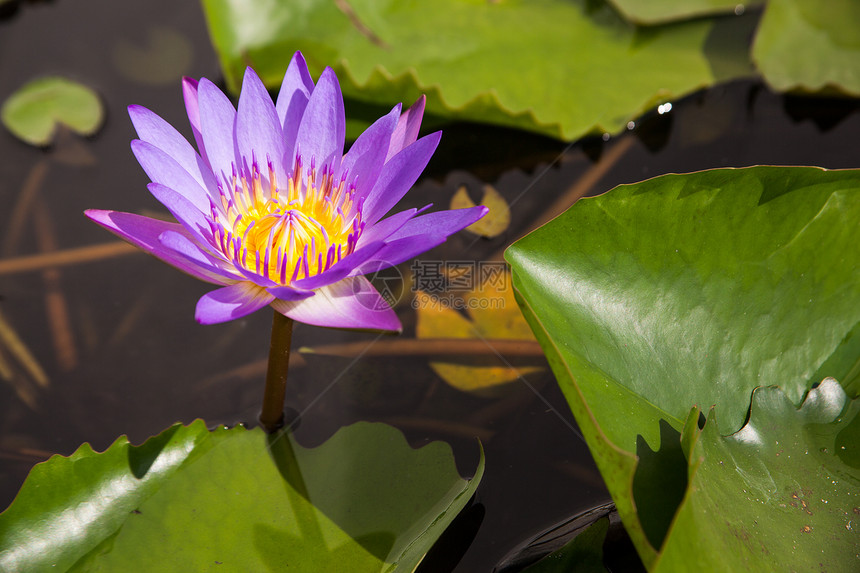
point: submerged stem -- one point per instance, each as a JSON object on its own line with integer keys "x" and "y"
{"x": 272, "y": 415}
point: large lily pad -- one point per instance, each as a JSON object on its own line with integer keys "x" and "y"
{"x": 559, "y": 67}
{"x": 781, "y": 494}
{"x": 193, "y": 500}
{"x": 810, "y": 45}
{"x": 659, "y": 11}
{"x": 691, "y": 290}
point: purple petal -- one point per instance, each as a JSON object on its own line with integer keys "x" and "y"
{"x": 192, "y": 108}
{"x": 255, "y": 277}
{"x": 217, "y": 123}
{"x": 441, "y": 222}
{"x": 152, "y": 129}
{"x": 364, "y": 160}
{"x": 185, "y": 212}
{"x": 323, "y": 127}
{"x": 382, "y": 229}
{"x": 420, "y": 234}
{"x": 185, "y": 247}
{"x": 289, "y": 293}
{"x": 342, "y": 268}
{"x": 407, "y": 128}
{"x": 350, "y": 303}
{"x": 398, "y": 251}
{"x": 397, "y": 177}
{"x": 163, "y": 169}
{"x": 258, "y": 131}
{"x": 231, "y": 302}
{"x": 143, "y": 232}
{"x": 292, "y": 100}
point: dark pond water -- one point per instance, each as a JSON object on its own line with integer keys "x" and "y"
{"x": 116, "y": 336}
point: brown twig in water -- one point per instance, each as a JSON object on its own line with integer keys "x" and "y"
{"x": 23, "y": 389}
{"x": 55, "y": 301}
{"x": 19, "y": 215}
{"x": 127, "y": 322}
{"x": 6, "y": 372}
{"x": 25, "y": 454}
{"x": 66, "y": 257}
{"x": 579, "y": 189}
{"x": 16, "y": 347}
{"x": 437, "y": 348}
{"x": 12, "y": 347}
{"x": 249, "y": 371}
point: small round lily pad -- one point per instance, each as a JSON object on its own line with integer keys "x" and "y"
{"x": 32, "y": 112}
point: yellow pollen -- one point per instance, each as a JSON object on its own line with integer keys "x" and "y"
{"x": 286, "y": 233}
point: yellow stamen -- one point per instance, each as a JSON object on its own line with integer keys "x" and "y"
{"x": 288, "y": 233}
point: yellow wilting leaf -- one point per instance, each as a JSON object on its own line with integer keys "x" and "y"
{"x": 493, "y": 314}
{"x": 493, "y": 223}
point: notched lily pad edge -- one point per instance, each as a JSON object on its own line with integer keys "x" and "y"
{"x": 669, "y": 16}
{"x": 689, "y": 436}
{"x": 692, "y": 432}
{"x": 597, "y": 439}
{"x": 484, "y": 107}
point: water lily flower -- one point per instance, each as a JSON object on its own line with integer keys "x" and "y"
{"x": 270, "y": 208}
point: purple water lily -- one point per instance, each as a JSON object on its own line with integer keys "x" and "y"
{"x": 271, "y": 209}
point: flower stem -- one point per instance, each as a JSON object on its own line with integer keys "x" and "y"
{"x": 272, "y": 415}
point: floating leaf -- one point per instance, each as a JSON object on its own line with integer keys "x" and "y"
{"x": 559, "y": 67}
{"x": 189, "y": 500}
{"x": 494, "y": 314}
{"x": 781, "y": 494}
{"x": 32, "y": 112}
{"x": 689, "y": 290}
{"x": 495, "y": 222}
{"x": 810, "y": 45}
{"x": 660, "y": 11}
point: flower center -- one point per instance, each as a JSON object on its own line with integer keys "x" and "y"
{"x": 290, "y": 232}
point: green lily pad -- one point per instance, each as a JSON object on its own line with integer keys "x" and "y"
{"x": 781, "y": 494}
{"x": 661, "y": 11}
{"x": 810, "y": 45}
{"x": 32, "y": 112}
{"x": 559, "y": 67}
{"x": 690, "y": 290}
{"x": 193, "y": 500}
